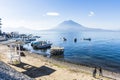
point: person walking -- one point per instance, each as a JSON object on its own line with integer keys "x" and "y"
{"x": 94, "y": 72}
{"x": 100, "y": 72}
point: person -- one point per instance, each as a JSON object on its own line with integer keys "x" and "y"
{"x": 94, "y": 72}
{"x": 100, "y": 72}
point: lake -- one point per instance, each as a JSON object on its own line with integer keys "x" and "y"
{"x": 102, "y": 51}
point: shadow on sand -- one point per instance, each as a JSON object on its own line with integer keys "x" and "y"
{"x": 35, "y": 72}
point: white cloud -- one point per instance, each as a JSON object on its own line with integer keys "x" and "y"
{"x": 52, "y": 14}
{"x": 91, "y": 13}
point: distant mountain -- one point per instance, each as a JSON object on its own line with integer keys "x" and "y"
{"x": 65, "y": 26}
{"x": 70, "y": 25}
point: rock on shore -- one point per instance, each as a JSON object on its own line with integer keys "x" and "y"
{"x": 8, "y": 73}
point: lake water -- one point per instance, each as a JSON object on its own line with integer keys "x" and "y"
{"x": 103, "y": 50}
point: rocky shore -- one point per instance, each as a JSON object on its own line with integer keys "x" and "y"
{"x": 8, "y": 73}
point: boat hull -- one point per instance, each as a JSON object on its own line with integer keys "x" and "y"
{"x": 42, "y": 46}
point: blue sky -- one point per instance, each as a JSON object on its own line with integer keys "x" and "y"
{"x": 46, "y": 14}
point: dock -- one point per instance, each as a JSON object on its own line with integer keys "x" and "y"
{"x": 57, "y": 50}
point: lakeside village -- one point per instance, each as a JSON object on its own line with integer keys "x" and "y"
{"x": 16, "y": 63}
{"x": 33, "y": 40}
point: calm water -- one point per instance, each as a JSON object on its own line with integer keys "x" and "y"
{"x": 103, "y": 50}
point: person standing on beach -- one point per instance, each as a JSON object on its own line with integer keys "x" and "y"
{"x": 94, "y": 72}
{"x": 100, "y": 72}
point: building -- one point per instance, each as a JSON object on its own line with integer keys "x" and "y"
{"x": 15, "y": 34}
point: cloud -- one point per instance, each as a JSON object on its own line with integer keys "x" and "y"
{"x": 52, "y": 14}
{"x": 91, "y": 13}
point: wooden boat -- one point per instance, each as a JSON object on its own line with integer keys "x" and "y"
{"x": 57, "y": 51}
{"x": 41, "y": 44}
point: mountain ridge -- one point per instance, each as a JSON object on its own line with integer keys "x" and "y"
{"x": 65, "y": 26}
{"x": 73, "y": 26}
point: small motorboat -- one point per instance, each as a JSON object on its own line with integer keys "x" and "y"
{"x": 41, "y": 44}
{"x": 75, "y": 40}
{"x": 89, "y": 39}
{"x": 64, "y": 39}
{"x": 29, "y": 40}
{"x": 3, "y": 38}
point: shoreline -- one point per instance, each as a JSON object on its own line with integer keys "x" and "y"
{"x": 74, "y": 67}
{"x": 90, "y": 66}
{"x": 65, "y": 65}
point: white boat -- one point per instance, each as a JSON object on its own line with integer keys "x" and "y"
{"x": 28, "y": 40}
{"x": 41, "y": 44}
{"x": 3, "y": 38}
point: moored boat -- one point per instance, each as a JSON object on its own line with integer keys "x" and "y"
{"x": 57, "y": 50}
{"x": 89, "y": 39}
{"x": 41, "y": 44}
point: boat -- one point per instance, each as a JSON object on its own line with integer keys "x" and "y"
{"x": 28, "y": 40}
{"x": 57, "y": 50}
{"x": 41, "y": 44}
{"x": 89, "y": 39}
{"x": 75, "y": 40}
{"x": 3, "y": 38}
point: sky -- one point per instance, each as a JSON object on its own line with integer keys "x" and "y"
{"x": 46, "y": 14}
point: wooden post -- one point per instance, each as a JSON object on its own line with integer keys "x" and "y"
{"x": 10, "y": 53}
{"x": 19, "y": 53}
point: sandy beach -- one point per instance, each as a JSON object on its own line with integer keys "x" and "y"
{"x": 43, "y": 68}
